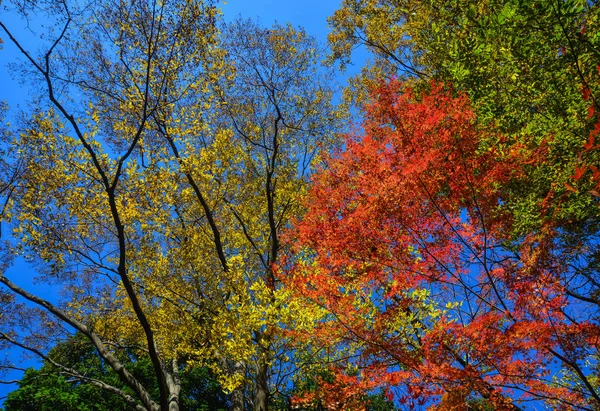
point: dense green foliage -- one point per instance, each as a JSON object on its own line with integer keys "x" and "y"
{"x": 42, "y": 390}
{"x": 524, "y": 64}
{"x": 49, "y": 389}
{"x": 46, "y": 389}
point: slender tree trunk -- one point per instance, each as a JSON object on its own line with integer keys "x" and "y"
{"x": 237, "y": 395}
{"x": 261, "y": 390}
{"x": 174, "y": 400}
{"x": 174, "y": 386}
{"x": 261, "y": 394}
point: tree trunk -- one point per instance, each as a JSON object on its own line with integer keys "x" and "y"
{"x": 261, "y": 394}
{"x": 174, "y": 386}
{"x": 237, "y": 395}
{"x": 174, "y": 401}
{"x": 261, "y": 390}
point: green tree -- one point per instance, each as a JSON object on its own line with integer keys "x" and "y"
{"x": 52, "y": 388}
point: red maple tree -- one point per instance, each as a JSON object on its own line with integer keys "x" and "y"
{"x": 407, "y": 244}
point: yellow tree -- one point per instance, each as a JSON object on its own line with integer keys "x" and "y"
{"x": 279, "y": 108}
{"x": 167, "y": 159}
{"x": 106, "y": 71}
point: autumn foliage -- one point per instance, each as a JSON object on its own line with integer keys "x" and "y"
{"x": 189, "y": 186}
{"x": 407, "y": 245}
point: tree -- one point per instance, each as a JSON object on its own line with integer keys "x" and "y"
{"x": 169, "y": 158}
{"x": 47, "y": 389}
{"x": 530, "y": 71}
{"x": 527, "y": 67}
{"x": 407, "y": 243}
{"x": 85, "y": 219}
{"x": 277, "y": 109}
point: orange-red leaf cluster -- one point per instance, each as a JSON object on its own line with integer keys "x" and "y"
{"x": 416, "y": 203}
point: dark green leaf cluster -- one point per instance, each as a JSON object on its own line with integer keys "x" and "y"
{"x": 50, "y": 389}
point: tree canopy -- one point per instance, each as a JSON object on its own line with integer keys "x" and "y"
{"x": 169, "y": 151}
{"x": 223, "y": 237}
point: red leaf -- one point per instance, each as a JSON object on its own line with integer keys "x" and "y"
{"x": 596, "y": 129}
{"x": 588, "y": 146}
{"x": 585, "y": 91}
{"x": 579, "y": 171}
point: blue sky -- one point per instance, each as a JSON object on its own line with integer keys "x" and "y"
{"x": 310, "y": 14}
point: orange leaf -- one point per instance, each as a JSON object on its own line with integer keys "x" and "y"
{"x": 570, "y": 188}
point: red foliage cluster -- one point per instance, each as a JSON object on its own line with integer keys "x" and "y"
{"x": 588, "y": 147}
{"x": 416, "y": 203}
